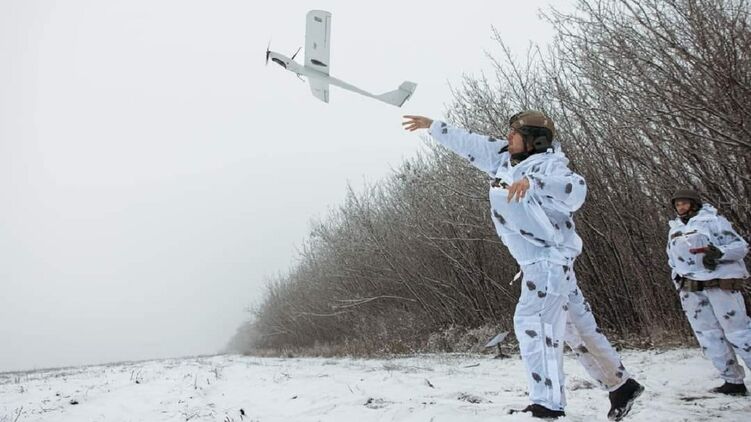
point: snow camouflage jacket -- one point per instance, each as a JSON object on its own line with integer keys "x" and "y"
{"x": 540, "y": 226}
{"x": 704, "y": 228}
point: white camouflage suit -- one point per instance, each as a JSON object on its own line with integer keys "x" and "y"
{"x": 718, "y": 317}
{"x": 539, "y": 233}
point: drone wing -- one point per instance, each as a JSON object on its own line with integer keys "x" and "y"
{"x": 320, "y": 89}
{"x": 318, "y": 42}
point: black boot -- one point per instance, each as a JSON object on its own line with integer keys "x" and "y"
{"x": 540, "y": 411}
{"x": 731, "y": 389}
{"x": 623, "y": 398}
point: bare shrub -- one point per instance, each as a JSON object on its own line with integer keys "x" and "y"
{"x": 647, "y": 95}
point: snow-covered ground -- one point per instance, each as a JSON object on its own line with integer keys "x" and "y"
{"x": 423, "y": 388}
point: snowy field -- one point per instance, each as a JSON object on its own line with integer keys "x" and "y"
{"x": 435, "y": 388}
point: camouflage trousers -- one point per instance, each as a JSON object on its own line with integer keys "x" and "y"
{"x": 718, "y": 318}
{"x": 552, "y": 310}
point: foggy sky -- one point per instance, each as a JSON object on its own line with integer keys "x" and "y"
{"x": 154, "y": 173}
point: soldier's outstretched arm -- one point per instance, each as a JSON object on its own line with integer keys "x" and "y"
{"x": 483, "y": 152}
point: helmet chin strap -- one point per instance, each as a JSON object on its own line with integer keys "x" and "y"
{"x": 532, "y": 146}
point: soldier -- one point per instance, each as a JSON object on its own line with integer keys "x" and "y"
{"x": 706, "y": 258}
{"x": 533, "y": 196}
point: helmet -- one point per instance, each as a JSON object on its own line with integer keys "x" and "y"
{"x": 689, "y": 194}
{"x": 536, "y": 128}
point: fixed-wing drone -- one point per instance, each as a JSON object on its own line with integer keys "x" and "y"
{"x": 317, "y": 64}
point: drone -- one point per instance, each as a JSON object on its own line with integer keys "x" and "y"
{"x": 317, "y": 64}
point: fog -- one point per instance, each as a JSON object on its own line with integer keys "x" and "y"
{"x": 154, "y": 173}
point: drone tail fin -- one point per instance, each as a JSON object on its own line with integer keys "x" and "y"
{"x": 397, "y": 97}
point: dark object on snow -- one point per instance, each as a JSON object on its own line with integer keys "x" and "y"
{"x": 471, "y": 398}
{"x": 73, "y": 402}
{"x": 242, "y": 414}
{"x": 731, "y": 389}
{"x": 694, "y": 398}
{"x": 623, "y": 398}
{"x": 539, "y": 411}
{"x": 496, "y": 341}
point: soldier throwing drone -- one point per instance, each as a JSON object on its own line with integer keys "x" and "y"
{"x": 533, "y": 197}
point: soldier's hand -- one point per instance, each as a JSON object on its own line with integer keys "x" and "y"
{"x": 679, "y": 281}
{"x": 709, "y": 263}
{"x": 712, "y": 254}
{"x": 413, "y": 123}
{"x": 518, "y": 189}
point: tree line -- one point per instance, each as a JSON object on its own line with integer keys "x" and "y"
{"x": 648, "y": 96}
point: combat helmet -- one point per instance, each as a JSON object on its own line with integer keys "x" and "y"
{"x": 536, "y": 128}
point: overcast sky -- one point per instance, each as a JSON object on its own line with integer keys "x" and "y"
{"x": 154, "y": 173}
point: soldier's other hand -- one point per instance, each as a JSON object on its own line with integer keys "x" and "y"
{"x": 713, "y": 252}
{"x": 709, "y": 263}
{"x": 712, "y": 255}
{"x": 679, "y": 281}
{"x": 412, "y": 123}
{"x": 518, "y": 189}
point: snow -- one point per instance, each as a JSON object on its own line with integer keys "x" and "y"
{"x": 443, "y": 387}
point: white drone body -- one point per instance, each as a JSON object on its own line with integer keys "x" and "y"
{"x": 317, "y": 63}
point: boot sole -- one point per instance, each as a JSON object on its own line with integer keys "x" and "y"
{"x": 547, "y": 417}
{"x": 731, "y": 394}
{"x": 628, "y": 406}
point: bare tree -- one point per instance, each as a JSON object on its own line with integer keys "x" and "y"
{"x": 647, "y": 95}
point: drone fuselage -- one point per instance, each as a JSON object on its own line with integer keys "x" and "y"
{"x": 395, "y": 97}
{"x": 317, "y": 63}
{"x": 295, "y": 67}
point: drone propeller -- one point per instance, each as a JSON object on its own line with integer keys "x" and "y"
{"x": 298, "y": 50}
{"x": 268, "y": 53}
